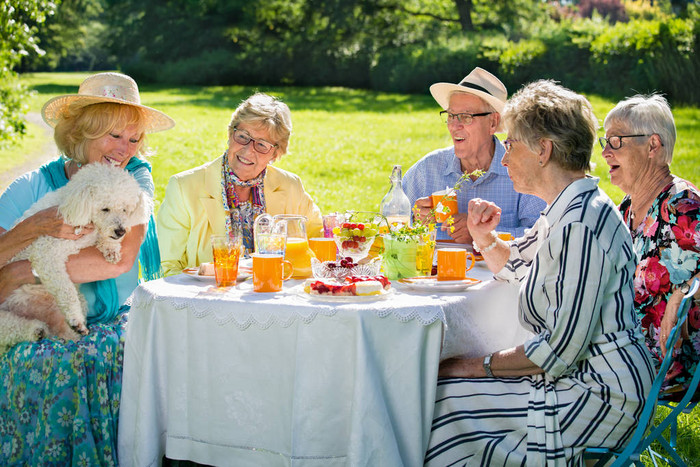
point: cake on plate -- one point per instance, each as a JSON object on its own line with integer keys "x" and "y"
{"x": 353, "y": 285}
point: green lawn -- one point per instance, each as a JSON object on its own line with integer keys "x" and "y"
{"x": 344, "y": 145}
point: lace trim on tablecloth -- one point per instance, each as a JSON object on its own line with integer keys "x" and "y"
{"x": 244, "y": 308}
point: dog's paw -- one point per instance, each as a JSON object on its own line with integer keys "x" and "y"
{"x": 113, "y": 256}
{"x": 78, "y": 325}
{"x": 40, "y": 331}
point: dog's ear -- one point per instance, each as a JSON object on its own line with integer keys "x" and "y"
{"x": 77, "y": 203}
{"x": 143, "y": 211}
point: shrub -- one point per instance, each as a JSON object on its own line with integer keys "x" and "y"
{"x": 645, "y": 56}
{"x": 412, "y": 69}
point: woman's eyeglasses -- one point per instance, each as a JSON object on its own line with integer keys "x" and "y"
{"x": 260, "y": 145}
{"x": 615, "y": 142}
{"x": 463, "y": 118}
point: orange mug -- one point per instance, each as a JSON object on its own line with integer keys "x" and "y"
{"x": 452, "y": 264}
{"x": 505, "y": 236}
{"x": 448, "y": 205}
{"x": 268, "y": 272}
{"x": 323, "y": 248}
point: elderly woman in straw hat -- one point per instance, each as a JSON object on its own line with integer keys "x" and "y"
{"x": 59, "y": 400}
{"x": 582, "y": 379}
{"x": 663, "y": 214}
{"x": 232, "y": 190}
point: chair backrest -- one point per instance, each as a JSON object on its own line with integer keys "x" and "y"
{"x": 639, "y": 442}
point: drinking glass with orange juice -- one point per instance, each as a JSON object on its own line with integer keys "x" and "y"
{"x": 227, "y": 251}
{"x": 324, "y": 248}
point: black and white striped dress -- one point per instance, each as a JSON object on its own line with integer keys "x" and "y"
{"x": 575, "y": 268}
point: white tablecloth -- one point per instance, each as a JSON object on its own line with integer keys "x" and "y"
{"x": 241, "y": 378}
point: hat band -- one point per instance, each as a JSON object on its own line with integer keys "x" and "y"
{"x": 475, "y": 86}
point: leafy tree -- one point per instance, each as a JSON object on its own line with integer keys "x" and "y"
{"x": 72, "y": 38}
{"x": 18, "y": 28}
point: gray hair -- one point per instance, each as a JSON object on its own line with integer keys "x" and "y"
{"x": 546, "y": 110}
{"x": 270, "y": 113}
{"x": 646, "y": 115}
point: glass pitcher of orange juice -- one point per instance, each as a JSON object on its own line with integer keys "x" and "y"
{"x": 297, "y": 251}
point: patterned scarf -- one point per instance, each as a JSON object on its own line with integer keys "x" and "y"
{"x": 106, "y": 295}
{"x": 241, "y": 214}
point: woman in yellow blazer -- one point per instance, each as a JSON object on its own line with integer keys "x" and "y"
{"x": 233, "y": 189}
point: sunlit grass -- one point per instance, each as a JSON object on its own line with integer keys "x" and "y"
{"x": 343, "y": 146}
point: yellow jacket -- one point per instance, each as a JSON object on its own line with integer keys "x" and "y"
{"x": 192, "y": 211}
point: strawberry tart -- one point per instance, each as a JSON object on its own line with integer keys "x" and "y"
{"x": 353, "y": 285}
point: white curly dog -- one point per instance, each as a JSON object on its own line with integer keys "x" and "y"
{"x": 112, "y": 201}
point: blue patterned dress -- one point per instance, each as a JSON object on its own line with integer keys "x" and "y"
{"x": 667, "y": 243}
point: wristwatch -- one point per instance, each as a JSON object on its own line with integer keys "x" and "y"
{"x": 487, "y": 365}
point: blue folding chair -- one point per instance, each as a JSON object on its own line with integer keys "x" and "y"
{"x": 639, "y": 442}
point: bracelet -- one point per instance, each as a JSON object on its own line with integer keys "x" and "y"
{"x": 488, "y": 248}
{"x": 487, "y": 365}
{"x": 36, "y": 276}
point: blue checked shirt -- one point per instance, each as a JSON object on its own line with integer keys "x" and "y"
{"x": 441, "y": 168}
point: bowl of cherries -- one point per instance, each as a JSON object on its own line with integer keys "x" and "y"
{"x": 344, "y": 267}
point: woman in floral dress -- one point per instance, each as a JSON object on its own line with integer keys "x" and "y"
{"x": 59, "y": 400}
{"x": 663, "y": 215}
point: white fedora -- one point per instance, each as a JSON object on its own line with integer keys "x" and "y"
{"x": 479, "y": 82}
{"x": 105, "y": 87}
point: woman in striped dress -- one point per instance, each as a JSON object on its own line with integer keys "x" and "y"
{"x": 583, "y": 378}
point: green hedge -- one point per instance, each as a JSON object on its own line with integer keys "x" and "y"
{"x": 589, "y": 56}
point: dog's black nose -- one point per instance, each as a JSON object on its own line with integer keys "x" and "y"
{"x": 119, "y": 232}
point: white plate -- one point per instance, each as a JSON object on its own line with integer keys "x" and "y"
{"x": 431, "y": 284}
{"x": 348, "y": 298}
{"x": 243, "y": 274}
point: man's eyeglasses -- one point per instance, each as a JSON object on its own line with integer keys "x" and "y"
{"x": 615, "y": 142}
{"x": 463, "y": 118}
{"x": 508, "y": 143}
{"x": 260, "y": 145}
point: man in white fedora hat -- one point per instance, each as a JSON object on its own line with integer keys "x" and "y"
{"x": 472, "y": 111}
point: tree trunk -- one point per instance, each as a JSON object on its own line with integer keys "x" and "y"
{"x": 464, "y": 9}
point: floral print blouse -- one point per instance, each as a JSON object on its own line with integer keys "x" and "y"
{"x": 667, "y": 244}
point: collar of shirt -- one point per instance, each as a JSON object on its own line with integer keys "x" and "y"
{"x": 496, "y": 169}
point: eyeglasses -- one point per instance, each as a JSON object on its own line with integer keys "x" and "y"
{"x": 463, "y": 118}
{"x": 260, "y": 145}
{"x": 615, "y": 142}
{"x": 508, "y": 143}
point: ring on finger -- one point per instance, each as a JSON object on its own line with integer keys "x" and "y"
{"x": 77, "y": 230}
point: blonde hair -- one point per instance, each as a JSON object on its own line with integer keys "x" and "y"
{"x": 546, "y": 110}
{"x": 646, "y": 115}
{"x": 269, "y": 113}
{"x": 79, "y": 125}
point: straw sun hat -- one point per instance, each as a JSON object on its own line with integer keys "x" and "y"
{"x": 480, "y": 83}
{"x": 105, "y": 87}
